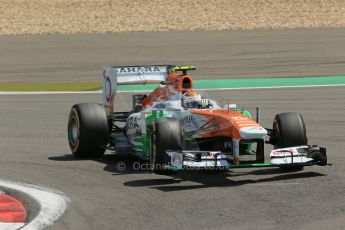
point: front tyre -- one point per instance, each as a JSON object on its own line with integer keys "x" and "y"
{"x": 88, "y": 130}
{"x": 289, "y": 130}
{"x": 166, "y": 135}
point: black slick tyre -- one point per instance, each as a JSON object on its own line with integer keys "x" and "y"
{"x": 289, "y": 130}
{"x": 166, "y": 135}
{"x": 88, "y": 130}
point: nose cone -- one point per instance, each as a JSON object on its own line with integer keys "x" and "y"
{"x": 255, "y": 132}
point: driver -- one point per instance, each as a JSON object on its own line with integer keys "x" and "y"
{"x": 193, "y": 100}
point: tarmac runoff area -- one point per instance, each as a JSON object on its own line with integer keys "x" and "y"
{"x": 217, "y": 54}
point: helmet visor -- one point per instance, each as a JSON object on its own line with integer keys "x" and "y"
{"x": 192, "y": 104}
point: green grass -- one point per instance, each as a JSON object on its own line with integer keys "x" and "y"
{"x": 64, "y": 86}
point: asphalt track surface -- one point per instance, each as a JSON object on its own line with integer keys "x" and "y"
{"x": 222, "y": 54}
{"x": 34, "y": 149}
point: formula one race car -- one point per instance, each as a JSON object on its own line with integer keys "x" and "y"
{"x": 174, "y": 128}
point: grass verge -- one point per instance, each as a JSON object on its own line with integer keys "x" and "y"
{"x": 63, "y": 86}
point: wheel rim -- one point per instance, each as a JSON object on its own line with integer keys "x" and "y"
{"x": 73, "y": 131}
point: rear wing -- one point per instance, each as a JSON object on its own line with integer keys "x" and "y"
{"x": 130, "y": 75}
{"x": 134, "y": 75}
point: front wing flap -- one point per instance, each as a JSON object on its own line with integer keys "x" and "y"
{"x": 299, "y": 155}
{"x": 198, "y": 160}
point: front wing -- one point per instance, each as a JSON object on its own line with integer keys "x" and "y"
{"x": 284, "y": 157}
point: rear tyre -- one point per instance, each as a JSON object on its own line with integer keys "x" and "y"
{"x": 88, "y": 130}
{"x": 166, "y": 135}
{"x": 288, "y": 131}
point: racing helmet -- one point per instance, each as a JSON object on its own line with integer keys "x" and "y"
{"x": 191, "y": 99}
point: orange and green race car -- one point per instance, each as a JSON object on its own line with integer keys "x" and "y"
{"x": 175, "y": 128}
